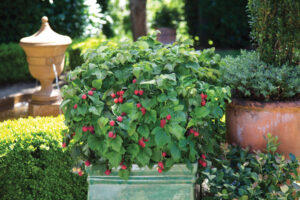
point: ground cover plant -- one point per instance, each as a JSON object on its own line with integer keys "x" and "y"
{"x": 143, "y": 103}
{"x": 33, "y": 164}
{"x": 239, "y": 174}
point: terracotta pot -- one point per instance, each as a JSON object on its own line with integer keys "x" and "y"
{"x": 167, "y": 35}
{"x": 249, "y": 121}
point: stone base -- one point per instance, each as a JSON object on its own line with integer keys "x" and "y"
{"x": 44, "y": 110}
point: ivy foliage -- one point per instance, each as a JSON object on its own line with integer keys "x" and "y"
{"x": 253, "y": 79}
{"x": 171, "y": 78}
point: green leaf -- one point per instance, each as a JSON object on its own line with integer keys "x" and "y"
{"x": 201, "y": 112}
{"x": 177, "y": 130}
{"x": 143, "y": 130}
{"x": 169, "y": 163}
{"x": 116, "y": 143}
{"x": 94, "y": 110}
{"x": 97, "y": 144}
{"x": 284, "y": 188}
{"x": 128, "y": 108}
{"x": 64, "y": 103}
{"x": 82, "y": 109}
{"x": 162, "y": 98}
{"x": 143, "y": 157}
{"x": 156, "y": 155}
{"x": 150, "y": 116}
{"x": 97, "y": 84}
{"x": 149, "y": 103}
{"x": 132, "y": 129}
{"x": 124, "y": 174}
{"x": 133, "y": 149}
{"x": 175, "y": 152}
{"x": 161, "y": 137}
{"x": 114, "y": 158}
{"x": 102, "y": 121}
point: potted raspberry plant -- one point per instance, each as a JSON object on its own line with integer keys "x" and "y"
{"x": 141, "y": 113}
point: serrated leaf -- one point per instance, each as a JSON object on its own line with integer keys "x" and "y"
{"x": 133, "y": 149}
{"x": 102, "y": 121}
{"x": 82, "y": 109}
{"x": 116, "y": 143}
{"x": 169, "y": 163}
{"x": 156, "y": 155}
{"x": 94, "y": 110}
{"x": 160, "y": 136}
{"x": 114, "y": 158}
{"x": 143, "y": 130}
{"x": 143, "y": 157}
{"x": 175, "y": 152}
{"x": 162, "y": 98}
{"x": 201, "y": 112}
{"x": 150, "y": 116}
{"x": 97, "y": 84}
{"x": 124, "y": 174}
{"x": 177, "y": 130}
{"x": 149, "y": 103}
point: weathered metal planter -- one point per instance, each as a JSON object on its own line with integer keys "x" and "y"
{"x": 249, "y": 121}
{"x": 144, "y": 183}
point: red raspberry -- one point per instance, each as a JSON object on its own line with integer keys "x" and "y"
{"x": 202, "y": 96}
{"x": 122, "y": 93}
{"x": 118, "y": 93}
{"x": 143, "y": 110}
{"x": 163, "y": 123}
{"x": 142, "y": 143}
{"x": 119, "y": 119}
{"x": 203, "y": 103}
{"x": 145, "y": 140}
{"x": 113, "y": 95}
{"x": 168, "y": 117}
{"x": 203, "y": 156}
{"x": 111, "y": 134}
{"x": 73, "y": 134}
{"x": 136, "y": 92}
{"x": 75, "y": 106}
{"x": 87, "y": 163}
{"x": 164, "y": 154}
{"x": 116, "y": 100}
{"x": 91, "y": 128}
{"x": 64, "y": 145}
{"x": 124, "y": 167}
{"x": 90, "y": 93}
{"x": 161, "y": 165}
{"x": 112, "y": 123}
{"x": 138, "y": 105}
{"x": 123, "y": 114}
{"x": 192, "y": 131}
{"x": 204, "y": 164}
{"x": 134, "y": 81}
{"x": 107, "y": 172}
{"x": 83, "y": 96}
{"x": 205, "y": 96}
{"x": 196, "y": 134}
{"x": 120, "y": 99}
{"x": 93, "y": 89}
{"x": 159, "y": 170}
{"x": 84, "y": 129}
{"x": 141, "y": 92}
{"x": 200, "y": 161}
{"x": 80, "y": 173}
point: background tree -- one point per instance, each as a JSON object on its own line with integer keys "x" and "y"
{"x": 138, "y": 18}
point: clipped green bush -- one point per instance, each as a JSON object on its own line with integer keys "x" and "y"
{"x": 251, "y": 78}
{"x": 13, "y": 66}
{"x": 275, "y": 30}
{"x": 33, "y": 164}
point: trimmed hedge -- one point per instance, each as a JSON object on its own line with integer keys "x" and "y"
{"x": 13, "y": 64}
{"x": 33, "y": 164}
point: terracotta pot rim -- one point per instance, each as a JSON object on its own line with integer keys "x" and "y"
{"x": 262, "y": 104}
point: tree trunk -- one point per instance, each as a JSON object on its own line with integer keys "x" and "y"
{"x": 138, "y": 18}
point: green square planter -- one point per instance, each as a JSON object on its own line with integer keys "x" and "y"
{"x": 143, "y": 184}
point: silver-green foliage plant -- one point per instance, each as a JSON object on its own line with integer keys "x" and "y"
{"x": 253, "y": 79}
{"x": 143, "y": 103}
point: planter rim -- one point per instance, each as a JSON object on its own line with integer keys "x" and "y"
{"x": 262, "y": 104}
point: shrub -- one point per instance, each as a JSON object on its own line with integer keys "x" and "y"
{"x": 223, "y": 22}
{"x": 251, "y": 78}
{"x": 239, "y": 174}
{"x": 275, "y": 30}
{"x": 13, "y": 66}
{"x": 142, "y": 103}
{"x": 79, "y": 47}
{"x": 33, "y": 164}
{"x": 166, "y": 17}
{"x": 66, "y": 17}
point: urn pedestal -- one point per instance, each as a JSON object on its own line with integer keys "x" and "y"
{"x": 45, "y": 51}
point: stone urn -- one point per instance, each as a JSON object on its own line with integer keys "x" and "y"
{"x": 45, "y": 51}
